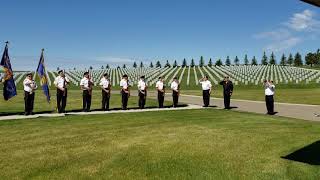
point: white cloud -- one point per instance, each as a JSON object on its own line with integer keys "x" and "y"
{"x": 285, "y": 44}
{"x": 304, "y": 21}
{"x": 274, "y": 35}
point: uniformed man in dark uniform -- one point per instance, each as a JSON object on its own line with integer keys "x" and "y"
{"x": 86, "y": 86}
{"x": 227, "y": 91}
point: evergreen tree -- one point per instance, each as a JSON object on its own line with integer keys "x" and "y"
{"x": 228, "y": 62}
{"x": 151, "y": 65}
{"x": 298, "y": 60}
{"x": 236, "y": 61}
{"x": 58, "y": 68}
{"x": 118, "y": 67}
{"x": 141, "y": 65}
{"x": 90, "y": 67}
{"x": 254, "y": 61}
{"x": 135, "y": 65}
{"x": 264, "y": 60}
{"x": 246, "y": 61}
{"x": 167, "y": 64}
{"x": 210, "y": 62}
{"x": 192, "y": 63}
{"x": 283, "y": 60}
{"x": 175, "y": 64}
{"x": 201, "y": 62}
{"x": 184, "y": 62}
{"x": 158, "y": 64}
{"x": 219, "y": 63}
{"x": 272, "y": 59}
{"x": 107, "y": 66}
{"x": 290, "y": 59}
{"x": 102, "y": 67}
{"x": 74, "y": 68}
{"x": 124, "y": 66}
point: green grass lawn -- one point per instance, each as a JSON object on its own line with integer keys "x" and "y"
{"x": 74, "y": 102}
{"x": 286, "y": 95}
{"x": 204, "y": 144}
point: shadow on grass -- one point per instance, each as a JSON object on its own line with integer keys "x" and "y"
{"x": 309, "y": 154}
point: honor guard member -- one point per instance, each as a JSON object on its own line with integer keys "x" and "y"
{"x": 106, "y": 91}
{"x": 125, "y": 91}
{"x": 61, "y": 82}
{"x": 269, "y": 89}
{"x": 142, "y": 91}
{"x": 227, "y": 91}
{"x": 161, "y": 91}
{"x": 175, "y": 91}
{"x": 206, "y": 90}
{"x": 29, "y": 86}
{"x": 86, "y": 87}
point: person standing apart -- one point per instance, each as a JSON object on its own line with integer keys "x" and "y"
{"x": 175, "y": 87}
{"x": 29, "y": 86}
{"x": 125, "y": 91}
{"x": 61, "y": 83}
{"x": 269, "y": 89}
{"x": 227, "y": 91}
{"x": 106, "y": 91}
{"x": 206, "y": 90}
{"x": 86, "y": 87}
{"x": 161, "y": 91}
{"x": 142, "y": 91}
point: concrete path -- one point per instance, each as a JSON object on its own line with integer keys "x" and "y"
{"x": 299, "y": 111}
{"x": 13, "y": 117}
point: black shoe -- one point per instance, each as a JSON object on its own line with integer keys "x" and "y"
{"x": 26, "y": 113}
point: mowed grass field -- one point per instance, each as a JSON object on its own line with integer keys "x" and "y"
{"x": 74, "y": 102}
{"x": 186, "y": 144}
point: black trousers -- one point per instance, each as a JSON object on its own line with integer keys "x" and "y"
{"x": 105, "y": 100}
{"x": 226, "y": 97}
{"x": 61, "y": 100}
{"x": 160, "y": 99}
{"x": 86, "y": 100}
{"x": 125, "y": 97}
{"x": 206, "y": 97}
{"x": 175, "y": 98}
{"x": 28, "y": 102}
{"x": 142, "y": 99}
{"x": 270, "y": 104}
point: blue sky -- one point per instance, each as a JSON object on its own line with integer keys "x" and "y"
{"x": 83, "y": 33}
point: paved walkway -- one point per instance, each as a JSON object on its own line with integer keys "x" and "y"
{"x": 299, "y": 111}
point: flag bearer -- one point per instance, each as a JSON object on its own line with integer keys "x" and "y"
{"x": 161, "y": 91}
{"x": 106, "y": 91}
{"x": 175, "y": 87}
{"x": 206, "y": 90}
{"x": 142, "y": 91}
{"x": 61, "y": 82}
{"x": 29, "y": 86}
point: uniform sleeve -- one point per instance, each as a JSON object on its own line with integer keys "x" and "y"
{"x": 172, "y": 86}
{"x": 67, "y": 79}
{"x": 231, "y": 86}
{"x": 55, "y": 81}
{"x": 210, "y": 85}
{"x": 221, "y": 82}
{"x": 157, "y": 85}
{"x": 121, "y": 83}
{"x": 81, "y": 82}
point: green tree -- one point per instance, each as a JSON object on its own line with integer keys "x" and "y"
{"x": 58, "y": 68}
{"x": 74, "y": 68}
{"x": 264, "y": 60}
{"x": 228, "y": 62}
{"x": 254, "y": 61}
{"x": 272, "y": 59}
{"x": 201, "y": 62}
{"x": 124, "y": 66}
{"x": 297, "y": 60}
{"x": 290, "y": 59}
{"x": 141, "y": 64}
{"x": 311, "y": 59}
{"x": 283, "y": 60}
{"x": 167, "y": 64}
{"x": 184, "y": 62}
{"x": 151, "y": 65}
{"x": 210, "y": 62}
{"x": 219, "y": 62}
{"x": 236, "y": 61}
{"x": 158, "y": 64}
{"x": 107, "y": 66}
{"x": 175, "y": 64}
{"x": 192, "y": 63}
{"x": 135, "y": 65}
{"x": 90, "y": 67}
{"x": 246, "y": 61}
{"x": 102, "y": 67}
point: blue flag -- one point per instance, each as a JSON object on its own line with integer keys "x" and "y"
{"x": 9, "y": 87}
{"x": 43, "y": 77}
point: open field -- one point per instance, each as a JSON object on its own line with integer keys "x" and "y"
{"x": 204, "y": 144}
{"x": 74, "y": 102}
